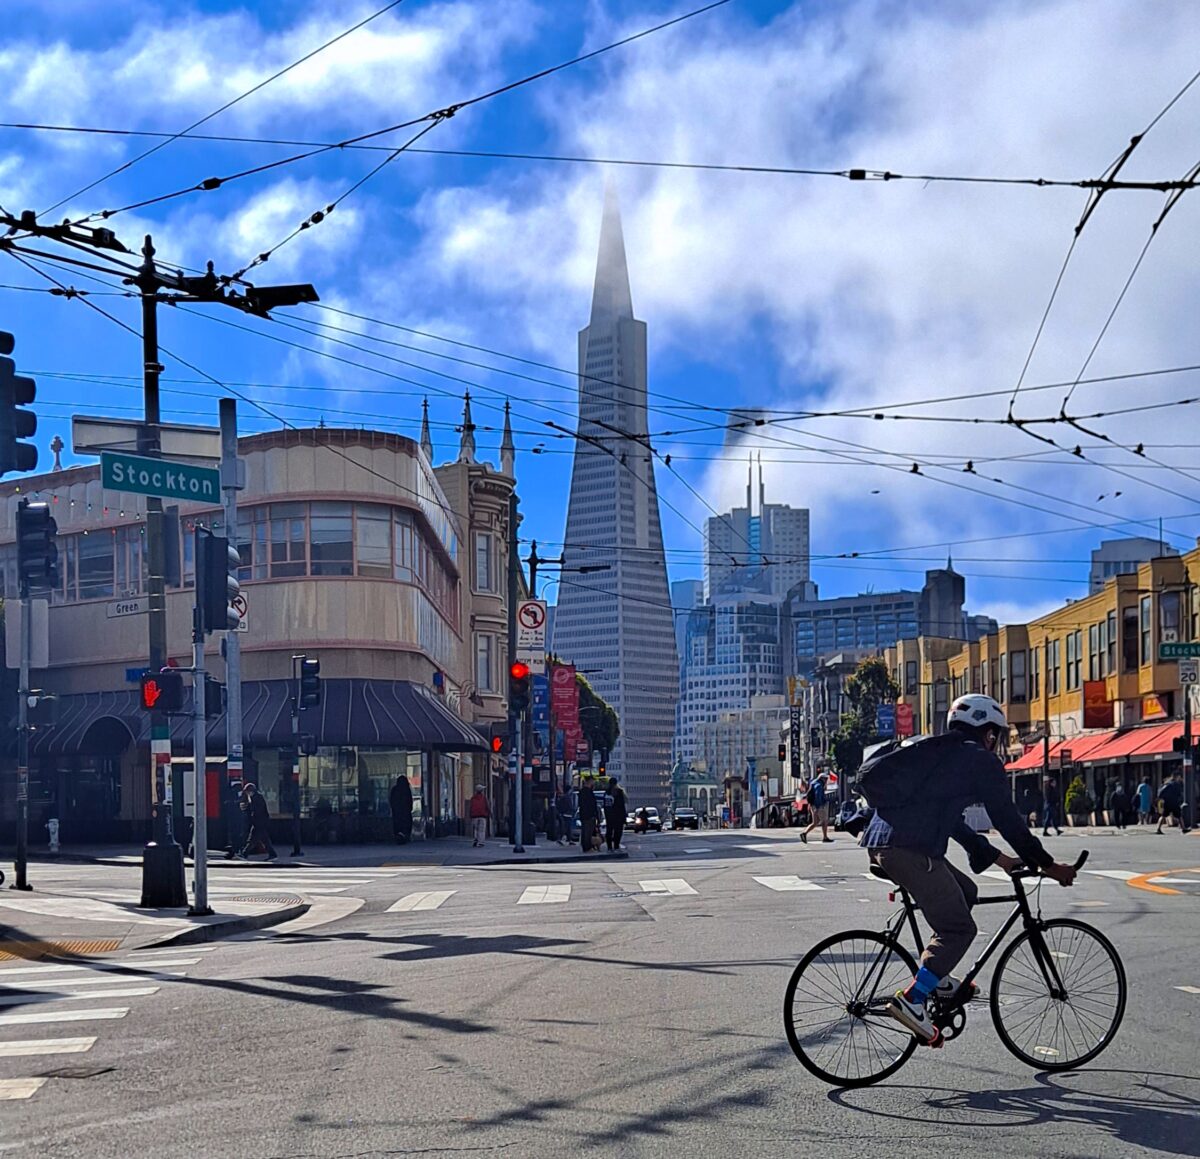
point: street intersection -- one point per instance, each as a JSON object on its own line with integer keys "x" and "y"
{"x": 627, "y": 1006}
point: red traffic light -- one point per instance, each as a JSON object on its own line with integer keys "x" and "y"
{"x": 518, "y": 670}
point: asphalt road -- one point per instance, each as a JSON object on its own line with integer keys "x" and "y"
{"x": 549, "y": 1010}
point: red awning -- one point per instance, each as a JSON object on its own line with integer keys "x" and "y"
{"x": 1080, "y": 747}
{"x": 1143, "y": 741}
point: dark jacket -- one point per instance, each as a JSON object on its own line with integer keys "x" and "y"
{"x": 1171, "y": 794}
{"x": 401, "y": 799}
{"x": 260, "y": 815}
{"x": 588, "y": 809}
{"x": 970, "y": 775}
{"x": 620, "y": 805}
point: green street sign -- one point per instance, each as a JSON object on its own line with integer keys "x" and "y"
{"x": 142, "y": 476}
{"x": 1179, "y": 651}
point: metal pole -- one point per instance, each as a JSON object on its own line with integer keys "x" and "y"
{"x": 1188, "y": 752}
{"x": 233, "y": 646}
{"x": 514, "y": 724}
{"x": 200, "y": 904}
{"x": 296, "y": 850}
{"x": 22, "y": 858}
{"x": 1046, "y": 723}
{"x": 163, "y": 882}
{"x": 519, "y": 788}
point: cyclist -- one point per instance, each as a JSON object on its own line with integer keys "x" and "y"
{"x": 908, "y": 841}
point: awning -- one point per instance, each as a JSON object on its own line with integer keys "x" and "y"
{"x": 390, "y": 713}
{"x": 1080, "y": 748}
{"x": 1143, "y": 741}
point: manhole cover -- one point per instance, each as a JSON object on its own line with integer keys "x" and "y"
{"x": 268, "y": 899}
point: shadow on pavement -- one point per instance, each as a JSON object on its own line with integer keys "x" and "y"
{"x": 1155, "y": 1111}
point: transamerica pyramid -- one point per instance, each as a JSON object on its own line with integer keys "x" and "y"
{"x": 617, "y": 624}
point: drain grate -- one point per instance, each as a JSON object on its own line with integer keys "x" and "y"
{"x": 268, "y": 899}
{"x": 41, "y": 949}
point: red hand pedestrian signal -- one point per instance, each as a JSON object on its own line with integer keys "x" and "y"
{"x": 162, "y": 691}
{"x": 151, "y": 692}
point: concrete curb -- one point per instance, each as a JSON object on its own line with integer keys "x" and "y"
{"x": 242, "y": 923}
{"x": 517, "y": 859}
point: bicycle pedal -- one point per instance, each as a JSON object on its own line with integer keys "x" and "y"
{"x": 936, "y": 1042}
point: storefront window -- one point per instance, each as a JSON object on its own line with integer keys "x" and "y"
{"x": 373, "y": 540}
{"x": 331, "y": 539}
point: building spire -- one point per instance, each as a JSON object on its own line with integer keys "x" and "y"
{"x": 466, "y": 446}
{"x": 508, "y": 452}
{"x": 611, "y": 298}
{"x": 762, "y": 493}
{"x": 426, "y": 438}
{"x": 750, "y": 484}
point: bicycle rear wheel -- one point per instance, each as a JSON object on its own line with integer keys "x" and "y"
{"x": 1058, "y": 1031}
{"x": 833, "y": 1010}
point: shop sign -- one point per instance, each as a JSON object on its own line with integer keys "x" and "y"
{"x": 1097, "y": 708}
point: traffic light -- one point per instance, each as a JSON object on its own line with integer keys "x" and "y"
{"x": 37, "y": 553}
{"x": 782, "y": 753}
{"x": 520, "y": 685}
{"x": 214, "y": 697}
{"x": 217, "y": 586}
{"x": 162, "y": 691}
{"x": 16, "y": 391}
{"x": 602, "y": 771}
{"x": 310, "y": 682}
{"x": 814, "y": 738}
{"x": 1180, "y": 745}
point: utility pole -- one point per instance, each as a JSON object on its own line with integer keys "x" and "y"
{"x": 22, "y": 858}
{"x": 515, "y": 729}
{"x": 202, "y": 545}
{"x": 163, "y": 882}
{"x": 1046, "y": 716}
{"x": 230, "y": 485}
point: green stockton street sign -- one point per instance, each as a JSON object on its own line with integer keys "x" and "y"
{"x": 1179, "y": 651}
{"x": 142, "y": 476}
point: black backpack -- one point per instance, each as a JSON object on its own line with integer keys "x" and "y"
{"x": 901, "y": 771}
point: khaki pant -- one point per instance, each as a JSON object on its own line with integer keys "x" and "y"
{"x": 479, "y": 828}
{"x": 945, "y": 897}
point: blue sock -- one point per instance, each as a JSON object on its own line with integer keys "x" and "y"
{"x": 922, "y": 986}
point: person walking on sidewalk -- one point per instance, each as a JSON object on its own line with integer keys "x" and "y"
{"x": 615, "y": 814}
{"x": 401, "y": 801}
{"x": 1145, "y": 802}
{"x": 1118, "y": 804}
{"x": 1170, "y": 803}
{"x": 1050, "y": 809}
{"x": 819, "y": 807}
{"x": 260, "y": 822}
{"x": 563, "y": 805}
{"x": 479, "y": 811}
{"x": 589, "y": 814}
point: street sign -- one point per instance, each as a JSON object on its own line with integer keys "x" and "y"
{"x": 1179, "y": 651}
{"x": 885, "y": 720}
{"x": 163, "y": 477}
{"x": 130, "y": 607}
{"x": 531, "y": 634}
{"x": 1189, "y": 671}
{"x": 91, "y": 435}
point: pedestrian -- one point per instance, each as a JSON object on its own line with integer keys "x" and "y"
{"x": 260, "y": 822}
{"x": 615, "y": 814}
{"x": 1170, "y": 803}
{"x": 1145, "y": 801}
{"x": 565, "y": 813}
{"x": 589, "y": 814}
{"x": 819, "y": 808}
{"x": 1118, "y": 804}
{"x": 1050, "y": 808}
{"x": 479, "y": 811}
{"x": 1035, "y": 802}
{"x": 401, "y": 801}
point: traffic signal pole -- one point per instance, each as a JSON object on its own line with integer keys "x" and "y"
{"x": 233, "y": 646}
{"x": 200, "y": 906}
{"x": 22, "y": 858}
{"x": 163, "y": 882}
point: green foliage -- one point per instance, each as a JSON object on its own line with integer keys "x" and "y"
{"x": 597, "y": 718}
{"x": 869, "y": 687}
{"x": 1079, "y": 800}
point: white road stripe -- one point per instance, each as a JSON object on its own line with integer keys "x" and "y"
{"x": 669, "y": 885}
{"x": 23, "y": 999}
{"x": 1116, "y": 874}
{"x": 545, "y": 895}
{"x": 699, "y": 849}
{"x": 99, "y": 968}
{"x": 21, "y": 1048}
{"x": 789, "y": 882}
{"x": 110, "y": 979}
{"x": 19, "y": 1088}
{"x": 103, "y": 1013}
{"x": 430, "y": 899}
{"x": 1189, "y": 989}
{"x": 1175, "y": 881}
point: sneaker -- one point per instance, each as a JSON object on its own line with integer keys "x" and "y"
{"x": 826, "y": 840}
{"x": 913, "y": 1016}
{"x": 804, "y": 838}
{"x": 948, "y": 988}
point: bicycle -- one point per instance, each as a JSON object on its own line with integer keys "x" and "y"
{"x": 1057, "y": 995}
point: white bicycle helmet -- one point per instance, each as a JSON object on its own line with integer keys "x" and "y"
{"x": 977, "y": 711}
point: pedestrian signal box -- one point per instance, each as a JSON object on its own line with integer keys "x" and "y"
{"x": 162, "y": 691}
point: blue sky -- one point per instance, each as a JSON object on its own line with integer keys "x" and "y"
{"x": 775, "y": 291}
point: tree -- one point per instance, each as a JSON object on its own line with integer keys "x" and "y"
{"x": 597, "y": 718}
{"x": 869, "y": 687}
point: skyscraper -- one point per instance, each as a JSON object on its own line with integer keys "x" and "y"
{"x": 616, "y": 624}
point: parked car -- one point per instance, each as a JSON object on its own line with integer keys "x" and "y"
{"x": 647, "y": 818}
{"x": 685, "y": 818}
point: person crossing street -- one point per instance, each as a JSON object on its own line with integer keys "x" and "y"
{"x": 260, "y": 822}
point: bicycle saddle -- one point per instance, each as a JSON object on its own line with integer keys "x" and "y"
{"x": 881, "y": 873}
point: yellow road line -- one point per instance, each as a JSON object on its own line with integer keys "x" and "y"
{"x": 1142, "y": 881}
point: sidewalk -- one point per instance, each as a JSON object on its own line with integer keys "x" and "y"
{"x": 441, "y": 851}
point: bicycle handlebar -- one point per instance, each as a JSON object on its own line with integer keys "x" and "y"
{"x": 1025, "y": 871}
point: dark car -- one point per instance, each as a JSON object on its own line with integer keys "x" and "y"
{"x": 685, "y": 819}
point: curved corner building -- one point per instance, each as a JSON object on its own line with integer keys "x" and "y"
{"x": 616, "y": 624}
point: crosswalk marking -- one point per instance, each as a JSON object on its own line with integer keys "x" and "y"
{"x": 104, "y": 978}
{"x": 19, "y": 1088}
{"x": 22, "y": 1048}
{"x": 1174, "y": 880}
{"x": 430, "y": 899}
{"x": 545, "y": 894}
{"x": 699, "y": 849}
{"x": 128, "y": 992}
{"x": 1189, "y": 989}
{"x": 788, "y": 882}
{"x": 102, "y": 1014}
{"x": 99, "y": 967}
{"x": 669, "y": 885}
{"x": 1116, "y": 874}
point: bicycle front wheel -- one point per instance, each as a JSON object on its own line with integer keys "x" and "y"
{"x": 833, "y": 1010}
{"x": 1060, "y": 1030}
